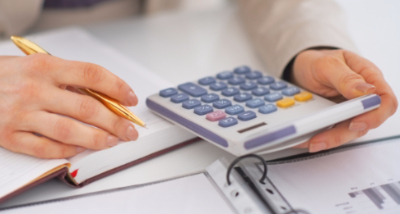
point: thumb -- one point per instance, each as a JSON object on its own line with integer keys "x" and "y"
{"x": 346, "y": 81}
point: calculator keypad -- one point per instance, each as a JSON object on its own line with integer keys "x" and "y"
{"x": 209, "y": 98}
{"x": 168, "y": 92}
{"x": 243, "y": 97}
{"x": 192, "y": 89}
{"x": 202, "y": 110}
{"x": 241, "y": 94}
{"x": 189, "y": 104}
{"x": 218, "y": 86}
{"x": 229, "y": 121}
{"x": 247, "y": 115}
{"x": 221, "y": 104}
{"x": 178, "y": 98}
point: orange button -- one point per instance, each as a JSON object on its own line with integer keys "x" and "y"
{"x": 303, "y": 96}
{"x": 284, "y": 103}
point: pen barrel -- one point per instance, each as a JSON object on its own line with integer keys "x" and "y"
{"x": 113, "y": 105}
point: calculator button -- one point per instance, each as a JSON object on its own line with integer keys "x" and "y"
{"x": 290, "y": 91}
{"x": 272, "y": 97}
{"x": 230, "y": 91}
{"x": 202, "y": 110}
{"x": 260, "y": 91}
{"x": 253, "y": 75}
{"x": 247, "y": 115}
{"x": 303, "y": 96}
{"x": 266, "y": 80}
{"x": 178, "y": 98}
{"x": 269, "y": 108}
{"x": 189, "y": 104}
{"x": 224, "y": 75}
{"x": 284, "y": 103}
{"x": 192, "y": 89}
{"x": 216, "y": 115}
{"x": 248, "y": 86}
{"x": 229, "y": 121}
{"x": 209, "y": 98}
{"x": 277, "y": 85}
{"x": 255, "y": 103}
{"x": 236, "y": 80}
{"x": 168, "y": 92}
{"x": 223, "y": 103}
{"x": 242, "y": 97}
{"x": 234, "y": 110}
{"x": 207, "y": 80}
{"x": 242, "y": 70}
{"x": 218, "y": 86}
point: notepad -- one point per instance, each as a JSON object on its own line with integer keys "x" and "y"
{"x": 19, "y": 172}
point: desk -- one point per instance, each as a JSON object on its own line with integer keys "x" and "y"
{"x": 186, "y": 46}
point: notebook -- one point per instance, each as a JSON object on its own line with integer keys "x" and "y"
{"x": 19, "y": 172}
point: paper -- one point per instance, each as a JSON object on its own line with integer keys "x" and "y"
{"x": 17, "y": 170}
{"x": 193, "y": 194}
{"x": 364, "y": 179}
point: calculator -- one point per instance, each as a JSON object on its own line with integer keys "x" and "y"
{"x": 245, "y": 111}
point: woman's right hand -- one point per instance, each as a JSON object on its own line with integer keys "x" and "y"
{"x": 39, "y": 117}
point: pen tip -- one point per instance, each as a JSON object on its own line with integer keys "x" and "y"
{"x": 145, "y": 126}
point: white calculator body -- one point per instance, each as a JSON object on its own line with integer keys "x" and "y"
{"x": 244, "y": 111}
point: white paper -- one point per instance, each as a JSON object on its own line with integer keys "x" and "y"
{"x": 326, "y": 184}
{"x": 192, "y": 194}
{"x": 17, "y": 170}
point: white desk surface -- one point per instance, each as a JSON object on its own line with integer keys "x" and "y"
{"x": 185, "y": 46}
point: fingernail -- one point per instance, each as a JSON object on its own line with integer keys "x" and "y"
{"x": 357, "y": 126}
{"x": 365, "y": 88}
{"x": 131, "y": 133}
{"x": 316, "y": 147}
{"x": 132, "y": 99}
{"x": 80, "y": 149}
{"x": 112, "y": 141}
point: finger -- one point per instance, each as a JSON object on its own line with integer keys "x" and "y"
{"x": 372, "y": 75}
{"x": 334, "y": 137}
{"x": 68, "y": 131}
{"x": 84, "y": 75}
{"x": 90, "y": 111}
{"x": 333, "y": 72}
{"x": 41, "y": 147}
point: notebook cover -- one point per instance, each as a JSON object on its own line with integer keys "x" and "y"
{"x": 62, "y": 174}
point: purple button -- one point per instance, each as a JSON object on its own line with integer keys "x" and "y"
{"x": 168, "y": 92}
{"x": 247, "y": 115}
{"x": 202, "y": 110}
{"x": 192, "y": 89}
{"x": 229, "y": 121}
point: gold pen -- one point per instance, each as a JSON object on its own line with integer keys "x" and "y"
{"x": 29, "y": 48}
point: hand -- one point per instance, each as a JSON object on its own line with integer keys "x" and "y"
{"x": 39, "y": 117}
{"x": 332, "y": 73}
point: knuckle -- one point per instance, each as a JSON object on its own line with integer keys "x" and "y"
{"x": 338, "y": 139}
{"x": 347, "y": 78}
{"x": 98, "y": 140}
{"x": 87, "y": 107}
{"x": 63, "y": 129}
{"x": 39, "y": 150}
{"x": 92, "y": 73}
{"x": 36, "y": 63}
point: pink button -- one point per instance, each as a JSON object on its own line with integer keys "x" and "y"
{"x": 215, "y": 116}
